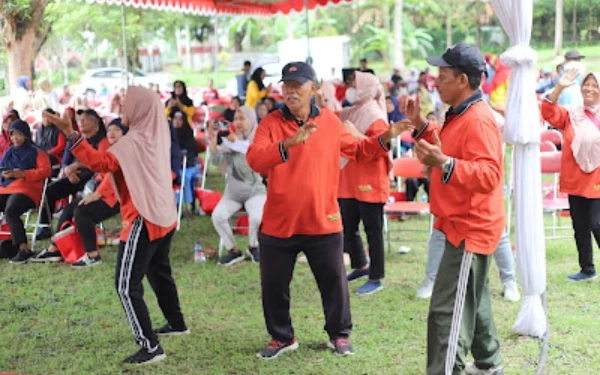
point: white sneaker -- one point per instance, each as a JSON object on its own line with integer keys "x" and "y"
{"x": 511, "y": 291}
{"x": 471, "y": 369}
{"x": 426, "y": 288}
{"x": 403, "y": 249}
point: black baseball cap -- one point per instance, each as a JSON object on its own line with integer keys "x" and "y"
{"x": 299, "y": 72}
{"x": 462, "y": 56}
{"x": 91, "y": 112}
{"x": 573, "y": 55}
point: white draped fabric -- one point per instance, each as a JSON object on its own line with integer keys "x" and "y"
{"x": 523, "y": 131}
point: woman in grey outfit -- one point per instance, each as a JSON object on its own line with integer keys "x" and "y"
{"x": 244, "y": 188}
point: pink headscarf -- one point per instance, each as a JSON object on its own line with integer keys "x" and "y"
{"x": 329, "y": 94}
{"x": 144, "y": 156}
{"x": 368, "y": 107}
{"x": 586, "y": 142}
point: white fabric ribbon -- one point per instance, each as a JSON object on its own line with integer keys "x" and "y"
{"x": 523, "y": 131}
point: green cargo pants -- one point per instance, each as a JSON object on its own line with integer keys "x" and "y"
{"x": 449, "y": 338}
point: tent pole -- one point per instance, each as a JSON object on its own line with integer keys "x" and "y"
{"x": 125, "y": 70}
{"x": 308, "y": 56}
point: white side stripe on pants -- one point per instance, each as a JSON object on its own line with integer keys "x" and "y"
{"x": 127, "y": 262}
{"x": 459, "y": 304}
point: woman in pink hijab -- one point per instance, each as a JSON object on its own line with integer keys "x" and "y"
{"x": 365, "y": 185}
{"x": 580, "y": 172}
{"x": 140, "y": 170}
{"x": 331, "y": 101}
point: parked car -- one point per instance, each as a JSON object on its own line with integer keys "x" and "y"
{"x": 95, "y": 79}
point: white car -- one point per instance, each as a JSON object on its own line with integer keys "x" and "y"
{"x": 94, "y": 80}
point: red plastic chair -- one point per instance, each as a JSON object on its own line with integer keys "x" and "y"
{"x": 31, "y": 119}
{"x": 553, "y": 136}
{"x": 406, "y": 168}
{"x": 553, "y": 202}
{"x": 547, "y": 146}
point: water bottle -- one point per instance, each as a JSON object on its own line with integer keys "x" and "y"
{"x": 199, "y": 256}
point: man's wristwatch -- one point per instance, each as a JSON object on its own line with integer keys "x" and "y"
{"x": 71, "y": 137}
{"x": 447, "y": 165}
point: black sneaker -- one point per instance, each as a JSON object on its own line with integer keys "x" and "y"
{"x": 48, "y": 257}
{"x": 86, "y": 261}
{"x": 341, "y": 347}
{"x": 21, "y": 257}
{"x": 144, "y": 357}
{"x": 167, "y": 330}
{"x": 275, "y": 348}
{"x": 254, "y": 254}
{"x": 43, "y": 234}
{"x": 231, "y": 258}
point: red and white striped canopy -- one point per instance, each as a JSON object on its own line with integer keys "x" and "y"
{"x": 226, "y": 7}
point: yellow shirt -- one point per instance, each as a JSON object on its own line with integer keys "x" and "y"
{"x": 254, "y": 95}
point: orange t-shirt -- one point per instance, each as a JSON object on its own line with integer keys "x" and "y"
{"x": 303, "y": 182}
{"x": 107, "y": 191}
{"x": 367, "y": 180}
{"x": 573, "y": 180}
{"x": 104, "y": 162}
{"x": 469, "y": 205}
{"x": 33, "y": 183}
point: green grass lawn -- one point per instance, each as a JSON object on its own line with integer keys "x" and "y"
{"x": 58, "y": 321}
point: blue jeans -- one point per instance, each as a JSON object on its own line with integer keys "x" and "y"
{"x": 192, "y": 175}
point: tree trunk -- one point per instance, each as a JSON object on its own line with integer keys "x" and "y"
{"x": 558, "y": 29}
{"x": 238, "y": 38}
{"x": 398, "y": 40}
{"x": 21, "y": 41}
{"x": 448, "y": 31}
{"x": 478, "y": 35}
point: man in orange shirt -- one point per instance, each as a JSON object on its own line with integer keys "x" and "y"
{"x": 299, "y": 147}
{"x": 465, "y": 159}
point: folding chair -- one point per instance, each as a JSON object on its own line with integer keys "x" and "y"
{"x": 406, "y": 168}
{"x": 38, "y": 224}
{"x": 43, "y": 205}
{"x": 553, "y": 203}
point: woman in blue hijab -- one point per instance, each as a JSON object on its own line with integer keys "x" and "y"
{"x": 393, "y": 109}
{"x": 23, "y": 95}
{"x": 24, "y": 168}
